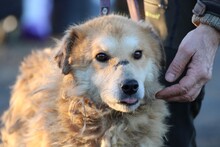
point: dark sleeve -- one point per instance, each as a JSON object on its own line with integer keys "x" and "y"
{"x": 207, "y": 12}
{"x": 212, "y": 7}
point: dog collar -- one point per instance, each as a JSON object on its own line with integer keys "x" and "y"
{"x": 104, "y": 7}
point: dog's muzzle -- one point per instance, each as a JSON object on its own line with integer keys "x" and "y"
{"x": 129, "y": 88}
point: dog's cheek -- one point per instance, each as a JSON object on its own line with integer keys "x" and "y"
{"x": 82, "y": 80}
{"x": 106, "y": 84}
{"x": 149, "y": 74}
{"x": 98, "y": 78}
{"x": 151, "y": 88}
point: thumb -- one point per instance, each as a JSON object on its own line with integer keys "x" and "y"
{"x": 178, "y": 64}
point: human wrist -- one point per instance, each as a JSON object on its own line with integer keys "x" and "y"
{"x": 207, "y": 19}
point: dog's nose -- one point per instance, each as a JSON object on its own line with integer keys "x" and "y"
{"x": 129, "y": 87}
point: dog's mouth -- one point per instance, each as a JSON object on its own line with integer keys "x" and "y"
{"x": 127, "y": 104}
{"x": 129, "y": 101}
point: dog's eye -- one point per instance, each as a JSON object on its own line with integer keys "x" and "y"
{"x": 137, "y": 54}
{"x": 102, "y": 57}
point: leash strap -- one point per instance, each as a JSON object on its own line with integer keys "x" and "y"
{"x": 134, "y": 10}
{"x": 133, "y": 7}
{"x": 105, "y": 7}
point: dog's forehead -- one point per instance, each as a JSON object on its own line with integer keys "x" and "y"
{"x": 113, "y": 44}
{"x": 132, "y": 41}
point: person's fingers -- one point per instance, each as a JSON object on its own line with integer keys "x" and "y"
{"x": 170, "y": 92}
{"x": 190, "y": 96}
{"x": 179, "y": 63}
{"x": 186, "y": 90}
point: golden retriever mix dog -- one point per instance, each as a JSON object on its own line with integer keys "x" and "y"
{"x": 99, "y": 90}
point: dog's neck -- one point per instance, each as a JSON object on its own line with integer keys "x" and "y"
{"x": 89, "y": 121}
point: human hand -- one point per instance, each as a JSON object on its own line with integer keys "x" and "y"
{"x": 196, "y": 55}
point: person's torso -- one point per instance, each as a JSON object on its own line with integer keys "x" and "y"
{"x": 171, "y": 18}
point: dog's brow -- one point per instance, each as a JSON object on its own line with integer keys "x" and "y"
{"x": 107, "y": 42}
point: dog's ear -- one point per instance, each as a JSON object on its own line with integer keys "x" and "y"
{"x": 68, "y": 43}
{"x": 146, "y": 24}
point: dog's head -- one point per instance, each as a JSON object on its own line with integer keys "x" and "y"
{"x": 115, "y": 60}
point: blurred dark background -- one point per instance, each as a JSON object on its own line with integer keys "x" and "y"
{"x": 26, "y": 25}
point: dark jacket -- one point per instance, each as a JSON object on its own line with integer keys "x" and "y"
{"x": 172, "y": 18}
{"x": 207, "y": 12}
{"x": 212, "y": 6}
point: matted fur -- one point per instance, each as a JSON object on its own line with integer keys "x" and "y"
{"x": 77, "y": 103}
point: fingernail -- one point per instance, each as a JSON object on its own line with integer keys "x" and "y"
{"x": 170, "y": 77}
{"x": 157, "y": 96}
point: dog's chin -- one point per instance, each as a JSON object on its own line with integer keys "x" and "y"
{"x": 124, "y": 106}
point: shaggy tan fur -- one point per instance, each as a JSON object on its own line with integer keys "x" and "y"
{"x": 50, "y": 107}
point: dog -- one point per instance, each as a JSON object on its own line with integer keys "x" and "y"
{"x": 96, "y": 87}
